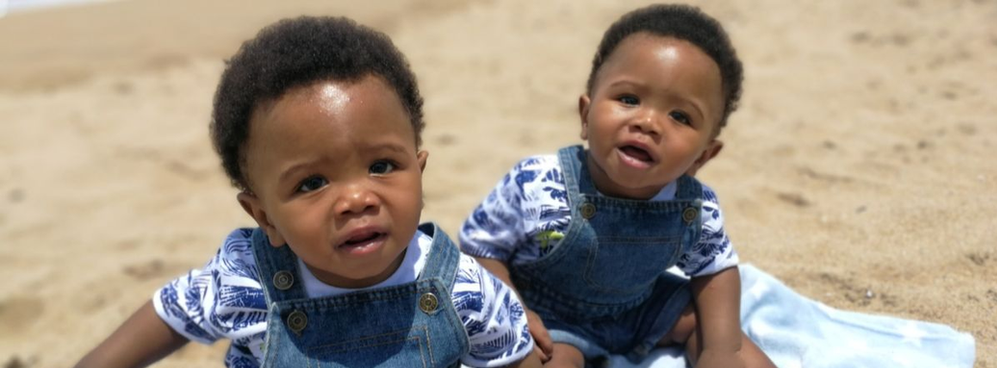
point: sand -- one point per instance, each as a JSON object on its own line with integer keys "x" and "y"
{"x": 859, "y": 169}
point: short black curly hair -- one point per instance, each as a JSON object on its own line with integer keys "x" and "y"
{"x": 296, "y": 52}
{"x": 682, "y": 22}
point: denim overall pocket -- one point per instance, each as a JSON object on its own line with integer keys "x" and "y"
{"x": 382, "y": 350}
{"x": 611, "y": 269}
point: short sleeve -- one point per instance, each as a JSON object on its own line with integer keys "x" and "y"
{"x": 222, "y": 300}
{"x": 495, "y": 228}
{"x": 714, "y": 251}
{"x": 492, "y": 316}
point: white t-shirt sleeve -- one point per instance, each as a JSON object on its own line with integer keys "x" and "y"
{"x": 221, "y": 300}
{"x": 714, "y": 251}
{"x": 495, "y": 229}
{"x": 492, "y": 316}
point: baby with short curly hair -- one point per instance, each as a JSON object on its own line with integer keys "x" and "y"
{"x": 317, "y": 121}
{"x": 586, "y": 235}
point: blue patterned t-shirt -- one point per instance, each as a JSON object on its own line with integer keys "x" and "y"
{"x": 527, "y": 214}
{"x": 225, "y": 300}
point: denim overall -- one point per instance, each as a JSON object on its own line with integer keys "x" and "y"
{"x": 408, "y": 325}
{"x": 604, "y": 288}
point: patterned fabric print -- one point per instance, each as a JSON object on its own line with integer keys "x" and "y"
{"x": 225, "y": 300}
{"x": 492, "y": 316}
{"x": 526, "y": 215}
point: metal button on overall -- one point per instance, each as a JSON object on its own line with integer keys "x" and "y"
{"x": 297, "y": 321}
{"x": 428, "y": 303}
{"x": 283, "y": 280}
{"x": 689, "y": 214}
{"x": 588, "y": 210}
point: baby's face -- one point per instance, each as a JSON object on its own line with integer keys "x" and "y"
{"x": 336, "y": 175}
{"x": 651, "y": 115}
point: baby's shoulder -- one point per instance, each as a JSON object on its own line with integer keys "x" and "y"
{"x": 239, "y": 242}
{"x": 712, "y": 214}
{"x": 535, "y": 162}
{"x": 479, "y": 295}
{"x": 473, "y": 280}
{"x": 235, "y": 258}
{"x": 709, "y": 196}
{"x": 469, "y": 274}
{"x": 532, "y": 168}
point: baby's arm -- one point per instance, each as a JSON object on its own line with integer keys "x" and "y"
{"x": 540, "y": 335}
{"x": 494, "y": 319}
{"x": 495, "y": 231}
{"x": 716, "y": 288}
{"x": 537, "y": 330}
{"x": 142, "y": 340}
{"x": 718, "y": 306}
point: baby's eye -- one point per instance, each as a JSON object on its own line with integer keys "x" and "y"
{"x": 680, "y": 117}
{"x": 381, "y": 167}
{"x": 629, "y": 100}
{"x": 311, "y": 183}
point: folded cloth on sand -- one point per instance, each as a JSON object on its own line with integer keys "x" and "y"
{"x": 798, "y": 332}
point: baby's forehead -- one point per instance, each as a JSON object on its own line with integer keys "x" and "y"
{"x": 665, "y": 46}
{"x": 346, "y": 106}
{"x": 646, "y": 59}
{"x": 328, "y": 93}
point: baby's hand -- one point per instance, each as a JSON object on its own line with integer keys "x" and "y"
{"x": 543, "y": 345}
{"x": 719, "y": 359}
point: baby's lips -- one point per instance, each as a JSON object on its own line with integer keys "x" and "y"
{"x": 637, "y": 153}
{"x": 646, "y": 153}
{"x": 362, "y": 234}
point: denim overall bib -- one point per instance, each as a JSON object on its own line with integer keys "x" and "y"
{"x": 604, "y": 288}
{"x": 408, "y": 325}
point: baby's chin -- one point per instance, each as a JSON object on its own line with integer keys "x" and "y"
{"x": 638, "y": 186}
{"x": 360, "y": 272}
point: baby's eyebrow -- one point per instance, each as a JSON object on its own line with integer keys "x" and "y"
{"x": 697, "y": 105}
{"x": 289, "y": 171}
{"x": 385, "y": 146}
{"x": 625, "y": 83}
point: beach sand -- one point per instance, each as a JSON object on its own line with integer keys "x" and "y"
{"x": 859, "y": 168}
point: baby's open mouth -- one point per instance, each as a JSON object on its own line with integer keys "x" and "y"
{"x": 637, "y": 153}
{"x": 361, "y": 240}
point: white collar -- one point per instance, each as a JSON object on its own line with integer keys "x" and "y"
{"x": 412, "y": 264}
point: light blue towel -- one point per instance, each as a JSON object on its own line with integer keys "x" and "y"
{"x": 798, "y": 332}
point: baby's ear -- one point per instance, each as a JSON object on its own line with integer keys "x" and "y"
{"x": 712, "y": 150}
{"x": 583, "y": 111}
{"x": 251, "y": 204}
{"x": 421, "y": 156}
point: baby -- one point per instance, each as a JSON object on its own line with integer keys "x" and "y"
{"x": 586, "y": 235}
{"x": 317, "y": 122}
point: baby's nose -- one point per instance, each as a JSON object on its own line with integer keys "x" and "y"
{"x": 647, "y": 123}
{"x": 356, "y": 199}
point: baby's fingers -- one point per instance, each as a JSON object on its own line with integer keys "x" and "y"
{"x": 541, "y": 354}
{"x": 541, "y": 336}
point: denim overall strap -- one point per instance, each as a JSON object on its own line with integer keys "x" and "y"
{"x": 445, "y": 256}
{"x": 614, "y": 250}
{"x": 689, "y": 189}
{"x": 278, "y": 268}
{"x": 408, "y": 325}
{"x": 574, "y": 162}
